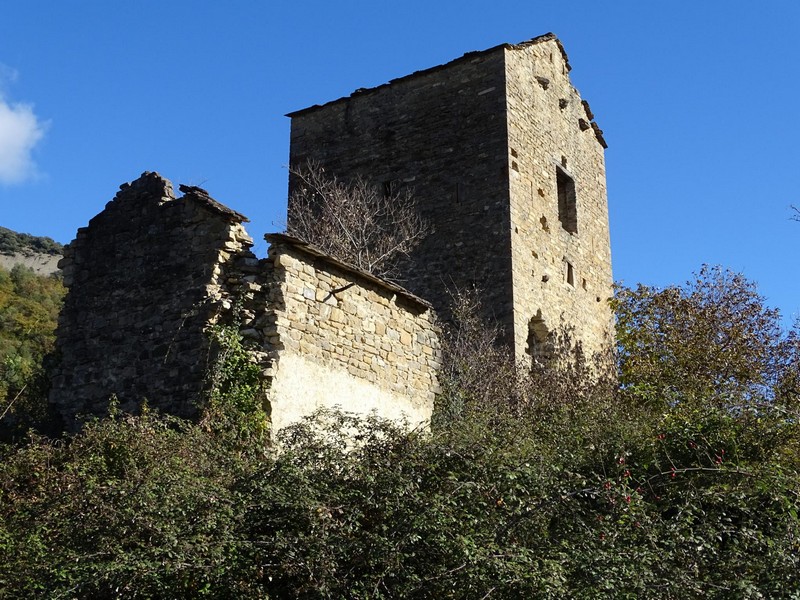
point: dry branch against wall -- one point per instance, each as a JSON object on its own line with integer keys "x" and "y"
{"x": 368, "y": 227}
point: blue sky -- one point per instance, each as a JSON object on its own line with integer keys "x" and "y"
{"x": 697, "y": 101}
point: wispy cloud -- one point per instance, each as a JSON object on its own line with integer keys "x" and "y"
{"x": 7, "y": 77}
{"x": 20, "y": 131}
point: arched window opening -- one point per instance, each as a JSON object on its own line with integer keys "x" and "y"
{"x": 540, "y": 343}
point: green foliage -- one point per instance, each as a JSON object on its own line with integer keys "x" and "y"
{"x": 553, "y": 484}
{"x": 236, "y": 405}
{"x": 12, "y": 242}
{"x": 29, "y": 307}
{"x": 134, "y": 507}
{"x": 712, "y": 340}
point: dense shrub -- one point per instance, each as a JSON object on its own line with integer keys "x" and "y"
{"x": 557, "y": 484}
{"x": 133, "y": 507}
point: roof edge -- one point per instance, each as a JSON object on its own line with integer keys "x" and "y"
{"x": 547, "y": 37}
{"x": 308, "y": 248}
{"x": 203, "y": 198}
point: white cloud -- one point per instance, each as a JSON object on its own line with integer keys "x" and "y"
{"x": 20, "y": 131}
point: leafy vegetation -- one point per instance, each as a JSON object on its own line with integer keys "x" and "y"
{"x": 235, "y": 408}
{"x": 681, "y": 481}
{"x": 12, "y": 242}
{"x": 29, "y": 306}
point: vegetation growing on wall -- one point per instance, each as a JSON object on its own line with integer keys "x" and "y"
{"x": 236, "y": 404}
{"x": 365, "y": 226}
{"x": 548, "y": 486}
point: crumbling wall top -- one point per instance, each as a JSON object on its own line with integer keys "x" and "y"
{"x": 199, "y": 195}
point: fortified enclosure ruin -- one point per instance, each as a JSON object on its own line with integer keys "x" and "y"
{"x": 504, "y": 160}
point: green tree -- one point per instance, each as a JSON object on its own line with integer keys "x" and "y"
{"x": 29, "y": 307}
{"x": 712, "y": 340}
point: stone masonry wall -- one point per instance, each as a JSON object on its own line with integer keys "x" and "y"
{"x": 441, "y": 133}
{"x": 151, "y": 274}
{"x": 561, "y": 277}
{"x": 144, "y": 280}
{"x": 480, "y": 140}
{"x": 342, "y": 337}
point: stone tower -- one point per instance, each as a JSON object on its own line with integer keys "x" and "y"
{"x": 506, "y": 162}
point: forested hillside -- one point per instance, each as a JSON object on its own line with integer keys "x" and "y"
{"x": 41, "y": 254}
{"x": 12, "y": 242}
{"x": 679, "y": 478}
{"x": 29, "y": 306}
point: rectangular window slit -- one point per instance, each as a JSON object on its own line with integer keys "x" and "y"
{"x": 570, "y": 275}
{"x": 567, "y": 202}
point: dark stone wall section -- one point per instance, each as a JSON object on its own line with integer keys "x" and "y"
{"x": 145, "y": 278}
{"x": 442, "y": 133}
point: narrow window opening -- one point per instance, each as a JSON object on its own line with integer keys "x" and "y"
{"x": 460, "y": 193}
{"x": 569, "y": 274}
{"x": 540, "y": 343}
{"x": 567, "y": 204}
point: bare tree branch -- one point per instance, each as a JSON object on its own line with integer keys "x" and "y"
{"x": 355, "y": 222}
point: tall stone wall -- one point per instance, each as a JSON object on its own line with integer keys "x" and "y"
{"x": 144, "y": 280}
{"x": 561, "y": 262}
{"x": 442, "y": 134}
{"x": 481, "y": 140}
{"x": 341, "y": 337}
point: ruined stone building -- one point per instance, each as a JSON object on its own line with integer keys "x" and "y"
{"x": 153, "y": 273}
{"x": 505, "y": 161}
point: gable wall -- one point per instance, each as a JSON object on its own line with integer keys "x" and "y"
{"x": 144, "y": 279}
